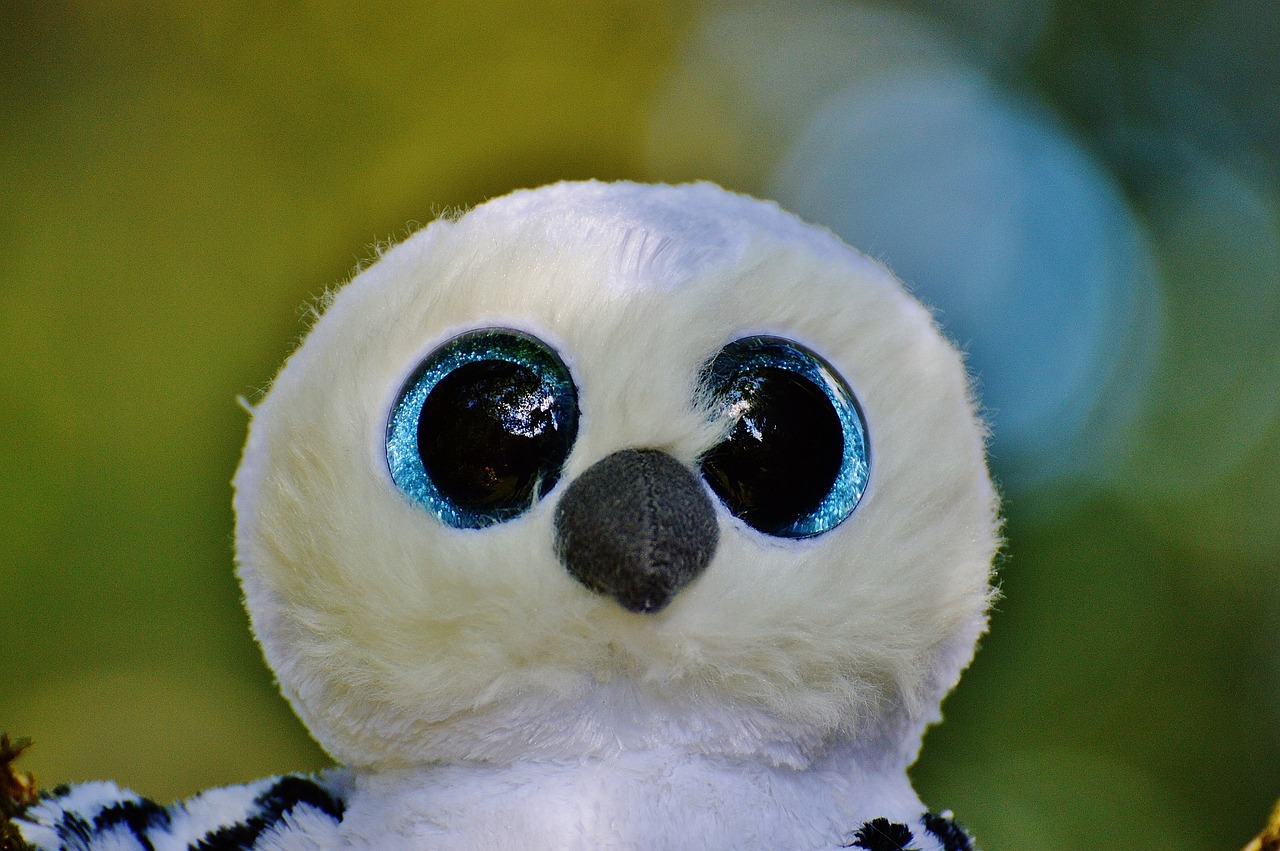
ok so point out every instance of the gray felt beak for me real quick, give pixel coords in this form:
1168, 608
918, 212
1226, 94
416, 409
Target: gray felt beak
638, 526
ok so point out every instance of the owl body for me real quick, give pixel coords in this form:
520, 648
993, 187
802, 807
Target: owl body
611, 516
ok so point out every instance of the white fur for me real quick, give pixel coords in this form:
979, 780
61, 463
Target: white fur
658, 798
403, 643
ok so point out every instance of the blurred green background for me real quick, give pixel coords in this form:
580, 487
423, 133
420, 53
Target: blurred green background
179, 181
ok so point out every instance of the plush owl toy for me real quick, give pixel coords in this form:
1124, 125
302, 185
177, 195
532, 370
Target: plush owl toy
602, 516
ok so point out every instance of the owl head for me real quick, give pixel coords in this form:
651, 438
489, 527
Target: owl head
603, 466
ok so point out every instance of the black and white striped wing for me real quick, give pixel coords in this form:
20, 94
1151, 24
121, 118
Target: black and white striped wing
279, 813
932, 831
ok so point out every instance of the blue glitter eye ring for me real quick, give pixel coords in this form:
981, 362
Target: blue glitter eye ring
796, 458
482, 428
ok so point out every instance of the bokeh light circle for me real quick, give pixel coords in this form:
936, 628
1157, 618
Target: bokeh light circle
1005, 225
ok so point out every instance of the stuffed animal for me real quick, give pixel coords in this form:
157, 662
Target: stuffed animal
602, 516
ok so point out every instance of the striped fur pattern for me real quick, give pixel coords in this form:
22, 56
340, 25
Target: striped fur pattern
278, 813
298, 813
935, 830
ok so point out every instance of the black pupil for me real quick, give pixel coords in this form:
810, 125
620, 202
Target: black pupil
489, 436
784, 452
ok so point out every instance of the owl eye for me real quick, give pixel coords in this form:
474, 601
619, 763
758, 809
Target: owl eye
795, 461
482, 428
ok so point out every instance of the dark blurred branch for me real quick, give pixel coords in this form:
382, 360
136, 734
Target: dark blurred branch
1269, 839
17, 792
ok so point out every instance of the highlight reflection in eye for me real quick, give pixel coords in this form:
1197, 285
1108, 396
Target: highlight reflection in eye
795, 461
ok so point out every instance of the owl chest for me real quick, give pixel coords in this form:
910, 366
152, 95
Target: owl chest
625, 803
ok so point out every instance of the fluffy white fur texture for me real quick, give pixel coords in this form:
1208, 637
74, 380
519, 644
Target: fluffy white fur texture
403, 643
